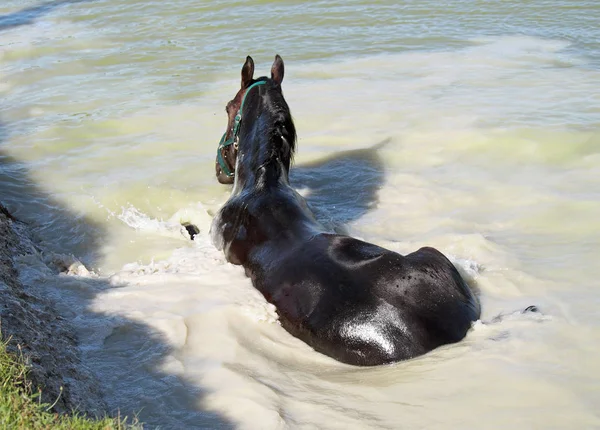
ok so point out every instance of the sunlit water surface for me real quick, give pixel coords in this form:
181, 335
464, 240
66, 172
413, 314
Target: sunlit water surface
469, 126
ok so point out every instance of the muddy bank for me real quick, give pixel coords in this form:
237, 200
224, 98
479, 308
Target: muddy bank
36, 330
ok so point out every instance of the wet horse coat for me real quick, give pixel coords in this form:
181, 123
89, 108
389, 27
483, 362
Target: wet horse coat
351, 300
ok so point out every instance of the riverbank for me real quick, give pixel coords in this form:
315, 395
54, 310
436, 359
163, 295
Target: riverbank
20, 407
39, 351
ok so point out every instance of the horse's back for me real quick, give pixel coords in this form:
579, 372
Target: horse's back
437, 296
363, 304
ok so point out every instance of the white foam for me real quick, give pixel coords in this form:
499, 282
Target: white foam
172, 227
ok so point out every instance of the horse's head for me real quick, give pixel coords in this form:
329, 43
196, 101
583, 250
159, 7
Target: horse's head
228, 146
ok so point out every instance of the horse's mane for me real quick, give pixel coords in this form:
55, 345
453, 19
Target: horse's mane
279, 127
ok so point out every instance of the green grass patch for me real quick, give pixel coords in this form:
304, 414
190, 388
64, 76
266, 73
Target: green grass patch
20, 407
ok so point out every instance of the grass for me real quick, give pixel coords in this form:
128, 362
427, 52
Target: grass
20, 407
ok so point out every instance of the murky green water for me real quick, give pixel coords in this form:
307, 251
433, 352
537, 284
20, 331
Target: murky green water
110, 114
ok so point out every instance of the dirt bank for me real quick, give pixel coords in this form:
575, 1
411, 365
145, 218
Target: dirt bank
35, 329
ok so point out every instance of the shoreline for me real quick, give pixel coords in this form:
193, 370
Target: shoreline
36, 331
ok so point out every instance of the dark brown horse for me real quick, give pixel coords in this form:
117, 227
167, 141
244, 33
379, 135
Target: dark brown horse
356, 302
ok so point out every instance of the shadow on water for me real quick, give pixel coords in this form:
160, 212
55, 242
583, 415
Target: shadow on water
29, 15
127, 355
343, 187
50, 224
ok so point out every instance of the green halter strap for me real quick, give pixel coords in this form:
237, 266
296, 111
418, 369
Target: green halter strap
236, 129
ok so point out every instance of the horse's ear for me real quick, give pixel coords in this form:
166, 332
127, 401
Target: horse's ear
277, 70
247, 71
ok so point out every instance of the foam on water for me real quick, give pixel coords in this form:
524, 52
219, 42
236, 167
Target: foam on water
226, 339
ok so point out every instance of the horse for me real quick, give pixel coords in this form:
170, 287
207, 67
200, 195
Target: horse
356, 302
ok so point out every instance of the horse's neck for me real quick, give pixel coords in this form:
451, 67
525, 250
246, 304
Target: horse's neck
266, 197
267, 177
261, 165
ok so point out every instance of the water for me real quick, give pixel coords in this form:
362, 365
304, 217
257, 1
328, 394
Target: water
469, 126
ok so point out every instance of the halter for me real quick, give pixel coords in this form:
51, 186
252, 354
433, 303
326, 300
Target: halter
236, 129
